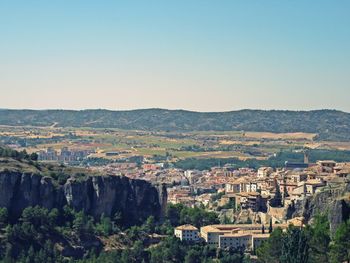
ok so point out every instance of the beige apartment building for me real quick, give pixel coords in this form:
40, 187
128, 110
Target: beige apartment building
247, 236
187, 233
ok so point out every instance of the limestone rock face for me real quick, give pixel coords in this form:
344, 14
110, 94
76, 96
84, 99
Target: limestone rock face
333, 202
134, 200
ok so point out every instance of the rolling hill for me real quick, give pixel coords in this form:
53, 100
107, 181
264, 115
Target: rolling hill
328, 124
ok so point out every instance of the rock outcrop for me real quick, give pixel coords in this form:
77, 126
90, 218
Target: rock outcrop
135, 200
333, 202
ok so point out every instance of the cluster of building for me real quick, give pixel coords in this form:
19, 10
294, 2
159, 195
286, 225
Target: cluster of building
246, 236
65, 155
244, 188
257, 197
254, 192
265, 193
196, 187
230, 191
152, 172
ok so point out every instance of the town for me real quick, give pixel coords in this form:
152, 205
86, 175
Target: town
251, 195
250, 203
175, 131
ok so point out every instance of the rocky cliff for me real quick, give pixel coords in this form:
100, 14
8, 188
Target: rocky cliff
334, 202
135, 200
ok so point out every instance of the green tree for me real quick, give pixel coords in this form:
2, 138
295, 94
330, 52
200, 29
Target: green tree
193, 256
295, 248
170, 250
270, 226
105, 226
138, 253
79, 223
3, 216
319, 239
271, 250
173, 213
33, 157
150, 224
340, 247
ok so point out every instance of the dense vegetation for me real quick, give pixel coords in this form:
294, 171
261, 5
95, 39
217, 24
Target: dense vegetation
23, 155
328, 124
312, 244
37, 235
40, 235
173, 250
276, 161
179, 215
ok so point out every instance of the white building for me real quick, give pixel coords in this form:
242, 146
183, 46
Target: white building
251, 187
187, 233
235, 240
248, 236
233, 187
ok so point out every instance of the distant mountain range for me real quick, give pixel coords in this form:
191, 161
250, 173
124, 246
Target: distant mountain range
328, 124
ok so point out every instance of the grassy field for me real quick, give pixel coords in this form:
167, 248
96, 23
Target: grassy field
226, 144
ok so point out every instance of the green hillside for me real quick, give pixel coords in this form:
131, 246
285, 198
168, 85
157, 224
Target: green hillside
328, 124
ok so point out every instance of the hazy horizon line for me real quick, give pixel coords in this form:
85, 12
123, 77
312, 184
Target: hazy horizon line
170, 109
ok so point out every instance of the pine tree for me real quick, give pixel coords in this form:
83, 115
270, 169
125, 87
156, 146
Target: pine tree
295, 248
340, 249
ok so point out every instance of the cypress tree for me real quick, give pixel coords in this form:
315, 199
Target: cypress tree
270, 226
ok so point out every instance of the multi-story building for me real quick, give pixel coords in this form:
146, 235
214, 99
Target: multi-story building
251, 200
298, 177
326, 166
187, 233
232, 187
264, 172
248, 236
235, 240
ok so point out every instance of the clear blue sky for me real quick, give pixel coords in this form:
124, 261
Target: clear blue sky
201, 55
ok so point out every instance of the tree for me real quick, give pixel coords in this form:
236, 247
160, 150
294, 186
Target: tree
105, 226
170, 250
319, 239
37, 218
173, 213
295, 248
150, 224
270, 251
193, 256
3, 216
138, 253
34, 157
8, 253
285, 190
53, 217
79, 223
340, 247
180, 214
270, 226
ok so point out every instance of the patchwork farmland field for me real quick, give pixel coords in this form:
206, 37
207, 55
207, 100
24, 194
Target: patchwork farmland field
173, 145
